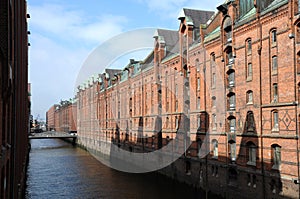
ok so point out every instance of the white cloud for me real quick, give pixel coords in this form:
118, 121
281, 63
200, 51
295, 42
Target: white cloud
171, 8
65, 23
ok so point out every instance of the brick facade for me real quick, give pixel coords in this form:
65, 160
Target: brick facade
14, 98
227, 82
62, 117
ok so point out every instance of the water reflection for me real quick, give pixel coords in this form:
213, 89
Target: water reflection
58, 170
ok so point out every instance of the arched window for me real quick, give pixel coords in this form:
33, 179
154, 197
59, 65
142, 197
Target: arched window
298, 60
275, 120
250, 125
231, 101
249, 97
249, 46
274, 64
214, 145
213, 101
232, 124
276, 156
227, 27
231, 78
275, 93
273, 37
232, 173
212, 60
251, 153
214, 121
199, 144
249, 71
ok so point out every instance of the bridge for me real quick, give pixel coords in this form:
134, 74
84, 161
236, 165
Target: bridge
53, 135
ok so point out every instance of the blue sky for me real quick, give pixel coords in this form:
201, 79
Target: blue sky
65, 32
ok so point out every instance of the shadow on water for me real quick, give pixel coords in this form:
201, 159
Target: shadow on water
59, 170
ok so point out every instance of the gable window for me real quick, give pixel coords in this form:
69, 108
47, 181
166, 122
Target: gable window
276, 156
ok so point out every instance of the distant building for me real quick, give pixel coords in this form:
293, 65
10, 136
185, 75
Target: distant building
62, 117
50, 117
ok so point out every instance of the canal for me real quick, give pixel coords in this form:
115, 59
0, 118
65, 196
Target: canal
56, 169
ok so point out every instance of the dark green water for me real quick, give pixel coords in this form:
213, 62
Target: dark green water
58, 170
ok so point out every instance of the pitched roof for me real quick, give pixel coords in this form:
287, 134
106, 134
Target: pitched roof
171, 39
197, 17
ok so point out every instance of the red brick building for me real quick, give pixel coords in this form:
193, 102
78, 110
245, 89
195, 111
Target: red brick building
228, 82
50, 117
14, 99
62, 117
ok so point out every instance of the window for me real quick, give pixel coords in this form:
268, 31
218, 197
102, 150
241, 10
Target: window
232, 150
229, 56
213, 81
176, 106
276, 156
298, 60
227, 30
214, 119
198, 121
198, 84
176, 122
212, 60
249, 46
199, 144
232, 124
251, 149
197, 63
213, 101
275, 93
231, 100
275, 121
249, 71
215, 148
198, 102
274, 64
231, 78
250, 126
273, 37
249, 97
188, 168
